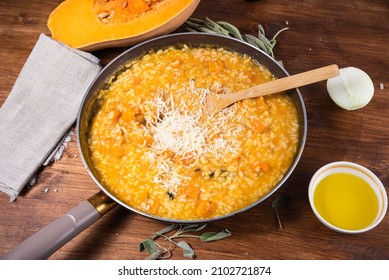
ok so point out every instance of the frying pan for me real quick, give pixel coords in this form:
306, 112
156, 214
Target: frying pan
49, 239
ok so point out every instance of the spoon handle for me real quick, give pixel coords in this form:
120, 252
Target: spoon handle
290, 82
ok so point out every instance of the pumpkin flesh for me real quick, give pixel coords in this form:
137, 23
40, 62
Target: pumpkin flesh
93, 24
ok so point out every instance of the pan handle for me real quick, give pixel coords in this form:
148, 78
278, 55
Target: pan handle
45, 242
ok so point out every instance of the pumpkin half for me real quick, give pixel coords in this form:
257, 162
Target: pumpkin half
96, 24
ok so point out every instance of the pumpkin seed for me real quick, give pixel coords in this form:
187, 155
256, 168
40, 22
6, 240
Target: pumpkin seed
103, 15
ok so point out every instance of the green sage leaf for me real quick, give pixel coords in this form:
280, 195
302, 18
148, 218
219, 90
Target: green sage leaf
229, 30
191, 29
214, 236
213, 26
188, 252
196, 21
150, 246
255, 42
206, 30
262, 34
232, 29
163, 231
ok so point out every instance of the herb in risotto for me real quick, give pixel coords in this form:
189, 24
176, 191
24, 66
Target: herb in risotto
156, 151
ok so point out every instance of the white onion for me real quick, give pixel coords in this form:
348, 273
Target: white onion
352, 89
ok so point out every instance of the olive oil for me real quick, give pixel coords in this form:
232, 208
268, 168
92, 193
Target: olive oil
346, 201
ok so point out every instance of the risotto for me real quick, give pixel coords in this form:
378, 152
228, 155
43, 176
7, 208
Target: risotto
155, 150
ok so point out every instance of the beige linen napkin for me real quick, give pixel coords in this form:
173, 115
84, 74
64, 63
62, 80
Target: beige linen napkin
40, 109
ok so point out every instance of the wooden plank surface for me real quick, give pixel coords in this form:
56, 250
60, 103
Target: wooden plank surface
349, 33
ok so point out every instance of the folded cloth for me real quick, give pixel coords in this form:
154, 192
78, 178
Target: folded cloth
40, 109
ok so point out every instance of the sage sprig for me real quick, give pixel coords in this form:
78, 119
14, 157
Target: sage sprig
157, 251
280, 200
229, 30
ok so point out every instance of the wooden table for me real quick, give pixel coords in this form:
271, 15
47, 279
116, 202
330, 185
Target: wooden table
321, 32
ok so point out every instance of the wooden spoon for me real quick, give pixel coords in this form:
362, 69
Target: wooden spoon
215, 102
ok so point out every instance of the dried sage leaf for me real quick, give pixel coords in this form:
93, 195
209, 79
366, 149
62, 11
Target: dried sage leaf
150, 246
214, 236
155, 256
193, 228
156, 251
188, 252
163, 231
280, 200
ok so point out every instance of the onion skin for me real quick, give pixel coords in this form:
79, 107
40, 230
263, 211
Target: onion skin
352, 89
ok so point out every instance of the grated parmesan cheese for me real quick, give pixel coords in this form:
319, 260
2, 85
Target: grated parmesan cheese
180, 133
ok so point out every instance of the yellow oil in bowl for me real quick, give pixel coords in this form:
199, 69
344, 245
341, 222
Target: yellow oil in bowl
346, 201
